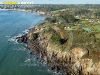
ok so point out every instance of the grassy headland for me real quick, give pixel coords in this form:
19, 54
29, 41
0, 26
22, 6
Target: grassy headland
70, 35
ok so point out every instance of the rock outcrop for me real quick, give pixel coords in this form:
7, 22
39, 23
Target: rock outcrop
75, 61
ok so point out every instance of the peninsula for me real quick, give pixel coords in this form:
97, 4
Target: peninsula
68, 40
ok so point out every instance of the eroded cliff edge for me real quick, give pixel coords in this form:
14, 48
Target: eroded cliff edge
73, 52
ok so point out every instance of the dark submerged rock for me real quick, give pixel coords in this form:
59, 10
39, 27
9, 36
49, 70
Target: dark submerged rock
22, 39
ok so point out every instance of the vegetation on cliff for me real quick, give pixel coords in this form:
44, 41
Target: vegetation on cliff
69, 40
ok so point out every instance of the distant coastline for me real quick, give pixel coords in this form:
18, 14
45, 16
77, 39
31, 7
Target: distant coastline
23, 10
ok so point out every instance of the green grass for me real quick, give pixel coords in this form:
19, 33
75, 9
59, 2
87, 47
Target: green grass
97, 28
55, 38
84, 22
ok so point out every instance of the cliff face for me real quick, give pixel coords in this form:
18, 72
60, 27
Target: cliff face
75, 61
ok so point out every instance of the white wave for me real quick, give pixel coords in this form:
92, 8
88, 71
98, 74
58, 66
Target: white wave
20, 49
54, 72
8, 36
19, 35
13, 39
57, 73
28, 60
26, 31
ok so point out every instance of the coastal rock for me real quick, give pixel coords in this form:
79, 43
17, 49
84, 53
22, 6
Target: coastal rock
72, 62
22, 39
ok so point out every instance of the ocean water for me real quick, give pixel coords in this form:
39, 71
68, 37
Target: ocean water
14, 58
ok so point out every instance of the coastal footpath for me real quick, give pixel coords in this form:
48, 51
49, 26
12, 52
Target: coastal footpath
69, 56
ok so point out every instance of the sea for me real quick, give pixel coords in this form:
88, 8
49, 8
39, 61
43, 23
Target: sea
14, 58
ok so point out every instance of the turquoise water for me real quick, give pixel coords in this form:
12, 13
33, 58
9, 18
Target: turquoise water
14, 58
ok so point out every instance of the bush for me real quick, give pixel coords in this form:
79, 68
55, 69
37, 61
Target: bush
55, 38
52, 20
68, 18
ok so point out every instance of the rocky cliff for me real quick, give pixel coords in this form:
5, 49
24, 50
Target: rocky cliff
62, 52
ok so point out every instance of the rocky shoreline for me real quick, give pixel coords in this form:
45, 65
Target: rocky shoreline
72, 62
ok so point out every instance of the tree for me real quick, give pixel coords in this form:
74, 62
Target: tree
68, 18
52, 20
